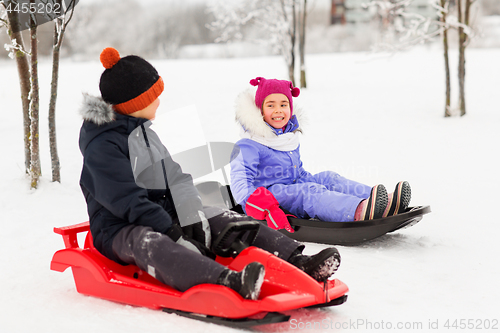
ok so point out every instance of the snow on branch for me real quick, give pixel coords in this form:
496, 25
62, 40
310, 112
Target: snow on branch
63, 20
230, 17
270, 16
13, 48
3, 16
411, 28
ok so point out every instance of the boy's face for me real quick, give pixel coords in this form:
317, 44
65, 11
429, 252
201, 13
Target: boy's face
276, 110
150, 111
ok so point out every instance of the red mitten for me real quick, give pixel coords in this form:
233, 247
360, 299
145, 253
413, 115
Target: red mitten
262, 205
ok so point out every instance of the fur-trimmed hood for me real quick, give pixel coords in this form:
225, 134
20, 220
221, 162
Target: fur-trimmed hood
249, 116
96, 110
100, 118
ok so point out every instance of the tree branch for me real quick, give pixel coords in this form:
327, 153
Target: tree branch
72, 5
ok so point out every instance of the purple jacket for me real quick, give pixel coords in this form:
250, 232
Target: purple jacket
270, 158
254, 161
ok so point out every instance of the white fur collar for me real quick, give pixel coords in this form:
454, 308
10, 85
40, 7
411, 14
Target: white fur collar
284, 142
249, 115
96, 110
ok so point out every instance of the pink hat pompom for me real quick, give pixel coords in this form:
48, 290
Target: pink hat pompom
256, 81
295, 92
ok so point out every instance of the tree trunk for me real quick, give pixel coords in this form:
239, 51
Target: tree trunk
59, 29
23, 71
302, 45
461, 59
447, 111
291, 68
289, 54
465, 39
293, 34
35, 170
58, 35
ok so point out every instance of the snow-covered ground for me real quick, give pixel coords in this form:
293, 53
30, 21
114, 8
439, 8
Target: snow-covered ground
372, 119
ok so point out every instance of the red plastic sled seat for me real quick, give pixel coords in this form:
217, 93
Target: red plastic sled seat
285, 287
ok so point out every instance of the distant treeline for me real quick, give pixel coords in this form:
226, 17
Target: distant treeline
160, 30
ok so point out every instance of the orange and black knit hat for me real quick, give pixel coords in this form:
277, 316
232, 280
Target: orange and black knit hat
130, 83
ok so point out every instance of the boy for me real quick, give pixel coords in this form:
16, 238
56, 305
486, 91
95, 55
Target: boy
143, 209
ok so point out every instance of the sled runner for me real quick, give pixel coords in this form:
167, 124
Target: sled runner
285, 286
316, 231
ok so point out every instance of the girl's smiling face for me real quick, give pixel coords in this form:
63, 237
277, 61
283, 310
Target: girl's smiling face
276, 110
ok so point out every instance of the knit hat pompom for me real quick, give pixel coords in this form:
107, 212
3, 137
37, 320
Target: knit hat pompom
273, 86
109, 57
256, 81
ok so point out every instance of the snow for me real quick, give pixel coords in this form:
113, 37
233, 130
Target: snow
374, 119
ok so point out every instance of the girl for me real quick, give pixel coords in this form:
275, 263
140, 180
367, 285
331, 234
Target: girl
267, 172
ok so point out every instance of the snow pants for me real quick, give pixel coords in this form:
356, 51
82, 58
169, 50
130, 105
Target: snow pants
326, 196
181, 268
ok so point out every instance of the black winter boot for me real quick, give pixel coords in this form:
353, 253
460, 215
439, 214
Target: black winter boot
399, 199
320, 266
247, 283
374, 206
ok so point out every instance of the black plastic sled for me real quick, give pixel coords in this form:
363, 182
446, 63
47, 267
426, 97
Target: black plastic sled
311, 230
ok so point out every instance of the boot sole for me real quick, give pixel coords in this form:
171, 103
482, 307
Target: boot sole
377, 203
324, 264
400, 199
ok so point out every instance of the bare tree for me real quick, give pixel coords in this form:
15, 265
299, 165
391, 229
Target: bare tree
464, 12
302, 43
288, 9
28, 77
417, 29
443, 11
278, 21
60, 24
35, 168
18, 52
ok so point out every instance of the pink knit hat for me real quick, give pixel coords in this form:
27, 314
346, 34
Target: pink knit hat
273, 86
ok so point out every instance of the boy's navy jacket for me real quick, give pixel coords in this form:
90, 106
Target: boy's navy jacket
114, 198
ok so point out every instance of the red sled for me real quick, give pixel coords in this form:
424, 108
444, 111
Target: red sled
285, 286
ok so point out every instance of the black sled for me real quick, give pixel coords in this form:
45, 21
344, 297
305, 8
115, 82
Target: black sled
310, 230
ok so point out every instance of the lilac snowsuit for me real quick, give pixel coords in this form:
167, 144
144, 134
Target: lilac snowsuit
326, 196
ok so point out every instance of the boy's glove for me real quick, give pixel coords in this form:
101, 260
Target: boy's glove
199, 231
176, 234
263, 205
